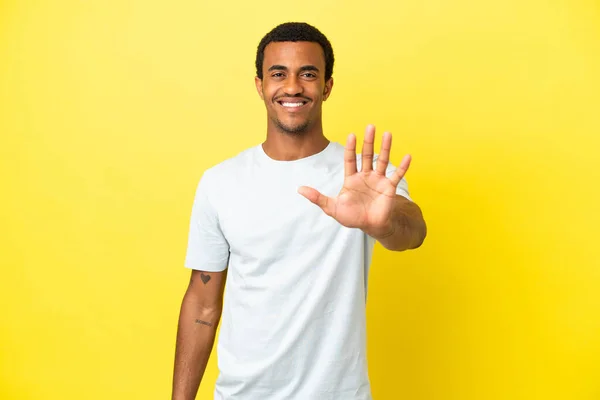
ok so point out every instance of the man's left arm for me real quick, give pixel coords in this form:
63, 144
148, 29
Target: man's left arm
407, 228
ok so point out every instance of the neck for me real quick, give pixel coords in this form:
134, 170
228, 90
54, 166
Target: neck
284, 146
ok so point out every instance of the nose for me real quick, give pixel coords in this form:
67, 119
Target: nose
293, 86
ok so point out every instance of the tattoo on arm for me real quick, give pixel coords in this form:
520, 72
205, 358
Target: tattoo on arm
198, 321
205, 278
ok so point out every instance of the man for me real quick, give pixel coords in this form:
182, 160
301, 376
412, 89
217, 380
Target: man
292, 223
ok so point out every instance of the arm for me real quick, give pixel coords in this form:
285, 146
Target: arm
198, 319
369, 199
407, 227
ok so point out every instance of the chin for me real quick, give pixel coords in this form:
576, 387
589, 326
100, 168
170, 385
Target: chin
293, 128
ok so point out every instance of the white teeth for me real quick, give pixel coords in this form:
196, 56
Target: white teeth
292, 104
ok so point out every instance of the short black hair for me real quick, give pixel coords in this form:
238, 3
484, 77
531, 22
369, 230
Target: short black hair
295, 32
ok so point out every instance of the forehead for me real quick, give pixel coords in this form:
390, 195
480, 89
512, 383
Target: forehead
291, 54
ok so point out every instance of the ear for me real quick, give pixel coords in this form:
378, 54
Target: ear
258, 83
328, 87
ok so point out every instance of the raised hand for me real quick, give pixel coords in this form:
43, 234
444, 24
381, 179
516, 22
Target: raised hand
366, 200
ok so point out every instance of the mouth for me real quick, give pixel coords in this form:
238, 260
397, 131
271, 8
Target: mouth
292, 105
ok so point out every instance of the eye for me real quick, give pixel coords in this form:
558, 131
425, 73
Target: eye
309, 75
277, 75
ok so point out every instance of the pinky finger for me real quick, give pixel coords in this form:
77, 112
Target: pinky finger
401, 170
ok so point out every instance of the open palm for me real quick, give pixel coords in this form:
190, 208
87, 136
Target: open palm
366, 200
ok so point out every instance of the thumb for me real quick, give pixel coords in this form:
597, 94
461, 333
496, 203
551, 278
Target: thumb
325, 203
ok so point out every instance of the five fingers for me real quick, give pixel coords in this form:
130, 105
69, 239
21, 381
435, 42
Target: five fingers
383, 159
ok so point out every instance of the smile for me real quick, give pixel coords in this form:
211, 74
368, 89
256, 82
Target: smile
292, 104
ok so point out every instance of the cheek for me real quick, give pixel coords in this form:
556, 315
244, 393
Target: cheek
269, 94
320, 92
269, 88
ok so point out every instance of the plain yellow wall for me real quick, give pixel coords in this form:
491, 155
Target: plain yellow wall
111, 110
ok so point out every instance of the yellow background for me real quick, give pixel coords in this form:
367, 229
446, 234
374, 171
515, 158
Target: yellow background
111, 110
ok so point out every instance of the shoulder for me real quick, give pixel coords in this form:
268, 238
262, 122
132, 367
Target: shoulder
215, 179
335, 152
230, 167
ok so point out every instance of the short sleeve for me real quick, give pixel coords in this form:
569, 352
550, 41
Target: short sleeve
207, 248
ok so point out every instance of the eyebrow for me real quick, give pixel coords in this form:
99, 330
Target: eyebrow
302, 68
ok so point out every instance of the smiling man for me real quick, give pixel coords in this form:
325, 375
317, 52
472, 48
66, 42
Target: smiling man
294, 104
287, 229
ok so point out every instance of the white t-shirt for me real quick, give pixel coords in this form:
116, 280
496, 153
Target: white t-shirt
293, 322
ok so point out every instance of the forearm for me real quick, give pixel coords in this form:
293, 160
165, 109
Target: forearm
196, 333
407, 228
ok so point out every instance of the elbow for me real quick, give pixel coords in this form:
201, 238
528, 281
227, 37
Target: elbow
202, 306
418, 227
410, 237
417, 235
422, 233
